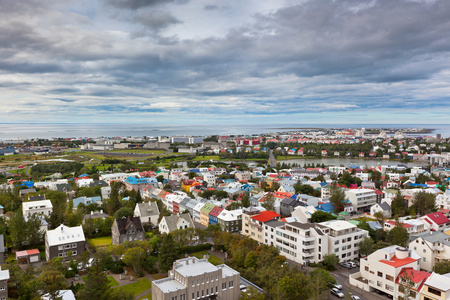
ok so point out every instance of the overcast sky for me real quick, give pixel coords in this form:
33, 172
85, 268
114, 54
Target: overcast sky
236, 61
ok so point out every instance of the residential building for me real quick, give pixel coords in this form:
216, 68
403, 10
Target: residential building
210, 179
197, 211
246, 175
362, 199
127, 229
171, 223
302, 243
389, 225
230, 220
253, 221
344, 238
43, 207
2, 249
193, 278
62, 240
382, 268
287, 206
432, 247
214, 214
436, 287
86, 201
133, 183
148, 212
303, 213
436, 221
204, 213
4, 278
382, 207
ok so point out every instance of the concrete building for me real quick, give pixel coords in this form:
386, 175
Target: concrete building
253, 221
432, 247
148, 212
230, 220
344, 239
436, 287
171, 223
362, 199
43, 207
193, 278
127, 229
62, 240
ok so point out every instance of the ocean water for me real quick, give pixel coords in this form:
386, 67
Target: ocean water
26, 131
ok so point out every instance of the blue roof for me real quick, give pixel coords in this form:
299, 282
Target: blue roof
84, 175
86, 200
29, 183
417, 184
126, 198
195, 170
326, 207
322, 184
134, 180
152, 179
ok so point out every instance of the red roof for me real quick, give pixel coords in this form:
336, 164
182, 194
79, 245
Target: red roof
416, 276
216, 211
265, 216
404, 225
398, 262
444, 211
438, 218
33, 251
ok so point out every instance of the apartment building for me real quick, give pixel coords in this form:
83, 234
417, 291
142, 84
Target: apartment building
382, 268
436, 221
253, 221
230, 220
436, 287
302, 243
43, 207
62, 240
193, 278
362, 199
344, 239
432, 247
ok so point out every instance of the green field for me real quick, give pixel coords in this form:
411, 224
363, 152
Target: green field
100, 242
212, 258
138, 287
148, 296
111, 281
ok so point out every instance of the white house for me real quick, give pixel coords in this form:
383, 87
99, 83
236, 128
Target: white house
43, 207
169, 224
148, 212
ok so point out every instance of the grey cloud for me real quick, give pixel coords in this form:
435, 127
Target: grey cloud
156, 20
211, 7
137, 4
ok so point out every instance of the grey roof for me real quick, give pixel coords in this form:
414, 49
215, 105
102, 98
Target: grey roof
172, 221
148, 209
2, 244
384, 206
375, 225
274, 223
435, 236
288, 201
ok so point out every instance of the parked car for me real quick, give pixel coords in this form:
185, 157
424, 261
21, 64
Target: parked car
335, 286
346, 265
352, 264
354, 297
337, 293
90, 262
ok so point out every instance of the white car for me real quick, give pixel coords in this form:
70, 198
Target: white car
338, 286
354, 297
337, 293
90, 262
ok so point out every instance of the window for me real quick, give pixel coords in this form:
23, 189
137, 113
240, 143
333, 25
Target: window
380, 274
74, 245
390, 287
379, 284
424, 251
366, 268
434, 291
424, 259
2, 288
207, 292
389, 277
217, 288
60, 247
230, 284
60, 255
198, 294
193, 296
74, 253
203, 293
224, 285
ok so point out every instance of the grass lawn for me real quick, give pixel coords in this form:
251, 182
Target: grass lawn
207, 157
148, 296
212, 258
139, 151
101, 241
138, 287
111, 281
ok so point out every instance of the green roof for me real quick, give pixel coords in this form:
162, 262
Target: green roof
354, 222
344, 213
207, 208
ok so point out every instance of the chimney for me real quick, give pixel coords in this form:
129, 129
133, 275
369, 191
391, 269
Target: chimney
187, 261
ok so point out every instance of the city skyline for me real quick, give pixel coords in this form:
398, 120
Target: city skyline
183, 62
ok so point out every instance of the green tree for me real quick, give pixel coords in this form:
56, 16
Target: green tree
442, 267
398, 235
424, 203
320, 280
406, 285
51, 281
251, 293
134, 257
123, 212
167, 253
321, 216
365, 246
398, 205
269, 202
295, 286
113, 203
245, 200
329, 261
96, 285
17, 224
337, 199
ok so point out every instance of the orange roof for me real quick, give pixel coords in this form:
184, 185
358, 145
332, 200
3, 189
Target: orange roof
398, 262
265, 216
32, 251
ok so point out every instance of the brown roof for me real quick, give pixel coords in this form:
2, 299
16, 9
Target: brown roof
124, 223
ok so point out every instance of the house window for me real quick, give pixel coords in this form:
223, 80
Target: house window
434, 291
2, 288
60, 248
224, 286
389, 277
366, 268
74, 253
380, 274
74, 245
60, 255
230, 284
